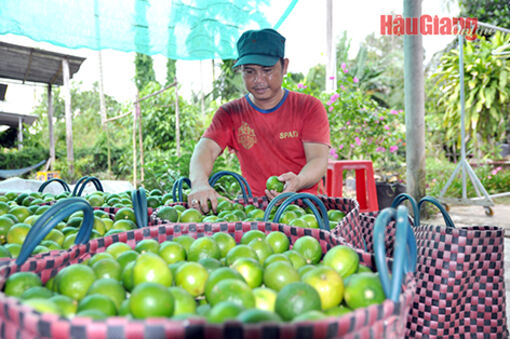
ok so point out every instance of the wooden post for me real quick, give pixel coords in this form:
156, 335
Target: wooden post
20, 133
330, 49
50, 128
140, 139
102, 105
134, 147
177, 127
68, 115
414, 106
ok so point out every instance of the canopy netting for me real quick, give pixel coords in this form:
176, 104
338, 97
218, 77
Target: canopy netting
178, 29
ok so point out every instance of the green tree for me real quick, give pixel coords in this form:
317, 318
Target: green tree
144, 71
494, 12
171, 70
88, 137
229, 84
487, 93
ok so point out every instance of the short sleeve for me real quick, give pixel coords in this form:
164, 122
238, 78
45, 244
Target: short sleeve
316, 123
220, 130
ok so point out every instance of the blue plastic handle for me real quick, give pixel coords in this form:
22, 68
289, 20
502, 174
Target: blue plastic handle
51, 218
245, 188
403, 197
447, 219
96, 183
78, 185
322, 218
177, 188
404, 256
47, 182
214, 178
139, 198
273, 202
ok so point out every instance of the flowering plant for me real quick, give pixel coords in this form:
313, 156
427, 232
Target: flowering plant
359, 127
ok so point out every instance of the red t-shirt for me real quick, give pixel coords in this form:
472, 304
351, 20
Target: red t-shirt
270, 142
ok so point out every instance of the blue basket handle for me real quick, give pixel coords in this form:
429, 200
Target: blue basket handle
403, 197
47, 182
322, 218
404, 256
273, 202
139, 198
51, 218
447, 219
80, 185
245, 188
177, 188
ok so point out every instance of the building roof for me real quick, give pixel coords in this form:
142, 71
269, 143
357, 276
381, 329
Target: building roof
11, 119
35, 65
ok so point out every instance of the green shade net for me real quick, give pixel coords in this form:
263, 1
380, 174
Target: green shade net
178, 29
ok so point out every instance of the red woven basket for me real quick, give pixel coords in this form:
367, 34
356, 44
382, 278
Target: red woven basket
459, 276
18, 321
349, 207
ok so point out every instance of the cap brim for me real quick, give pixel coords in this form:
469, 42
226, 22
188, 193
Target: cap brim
257, 59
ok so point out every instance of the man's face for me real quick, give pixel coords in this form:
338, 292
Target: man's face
264, 83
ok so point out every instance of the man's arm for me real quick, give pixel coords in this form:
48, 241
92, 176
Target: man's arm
315, 168
201, 164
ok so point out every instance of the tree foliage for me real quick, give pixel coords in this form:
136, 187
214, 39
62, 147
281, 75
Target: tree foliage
144, 71
494, 12
229, 84
487, 92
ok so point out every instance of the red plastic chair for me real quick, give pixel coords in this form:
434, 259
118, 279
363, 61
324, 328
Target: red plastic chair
366, 194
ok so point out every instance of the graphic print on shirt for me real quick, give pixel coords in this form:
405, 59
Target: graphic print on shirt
246, 136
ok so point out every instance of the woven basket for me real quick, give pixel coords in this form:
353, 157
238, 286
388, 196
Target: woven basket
349, 207
459, 276
18, 321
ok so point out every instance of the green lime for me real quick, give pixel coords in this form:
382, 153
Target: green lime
278, 241
97, 302
296, 298
273, 184
184, 303
19, 282
309, 248
151, 299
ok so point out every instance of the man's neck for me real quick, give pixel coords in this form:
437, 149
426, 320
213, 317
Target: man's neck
268, 103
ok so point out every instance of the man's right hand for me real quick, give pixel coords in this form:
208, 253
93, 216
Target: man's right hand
200, 196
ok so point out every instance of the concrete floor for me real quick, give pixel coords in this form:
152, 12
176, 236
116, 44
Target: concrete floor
475, 215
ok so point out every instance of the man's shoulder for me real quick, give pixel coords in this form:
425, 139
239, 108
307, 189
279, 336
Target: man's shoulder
302, 98
236, 105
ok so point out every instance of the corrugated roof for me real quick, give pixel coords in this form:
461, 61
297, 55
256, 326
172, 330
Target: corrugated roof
35, 65
11, 119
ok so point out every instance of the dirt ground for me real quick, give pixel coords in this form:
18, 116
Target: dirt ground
474, 215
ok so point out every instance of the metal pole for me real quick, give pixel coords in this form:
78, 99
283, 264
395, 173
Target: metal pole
414, 105
462, 113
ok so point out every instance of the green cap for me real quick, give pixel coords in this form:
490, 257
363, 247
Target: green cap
264, 47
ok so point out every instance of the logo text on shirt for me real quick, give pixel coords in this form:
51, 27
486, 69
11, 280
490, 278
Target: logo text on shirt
246, 136
290, 134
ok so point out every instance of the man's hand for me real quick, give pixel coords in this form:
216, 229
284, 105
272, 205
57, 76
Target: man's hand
201, 195
292, 183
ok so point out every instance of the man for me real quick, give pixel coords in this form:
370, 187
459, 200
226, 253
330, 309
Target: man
273, 131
